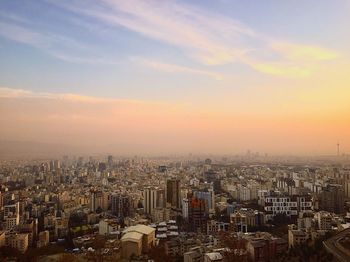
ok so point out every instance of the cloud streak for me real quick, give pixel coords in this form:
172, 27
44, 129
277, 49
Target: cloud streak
57, 46
6, 92
177, 69
204, 36
304, 52
207, 37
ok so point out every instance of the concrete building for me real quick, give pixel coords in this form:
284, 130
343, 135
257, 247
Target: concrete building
17, 241
324, 220
296, 237
120, 205
246, 218
44, 239
173, 194
131, 244
213, 256
185, 208
11, 221
108, 226
160, 214
149, 199
137, 240
96, 200
287, 205
209, 196
214, 226
193, 256
263, 247
198, 215
332, 199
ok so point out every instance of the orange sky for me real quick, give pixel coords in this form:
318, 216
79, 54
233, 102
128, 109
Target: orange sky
163, 77
150, 127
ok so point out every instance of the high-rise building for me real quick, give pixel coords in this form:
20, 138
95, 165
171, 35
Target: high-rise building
120, 205
149, 199
208, 195
55, 165
332, 198
198, 214
185, 208
342, 177
110, 160
173, 194
160, 198
96, 200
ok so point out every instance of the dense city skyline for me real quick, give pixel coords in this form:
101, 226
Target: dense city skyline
174, 77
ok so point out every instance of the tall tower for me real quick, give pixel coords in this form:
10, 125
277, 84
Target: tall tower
149, 199
173, 196
338, 147
96, 200
120, 205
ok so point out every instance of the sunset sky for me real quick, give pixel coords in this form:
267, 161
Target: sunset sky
164, 77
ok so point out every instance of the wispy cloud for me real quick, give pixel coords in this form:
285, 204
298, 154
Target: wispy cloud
17, 93
58, 46
282, 69
303, 52
83, 60
204, 36
22, 35
6, 92
207, 37
13, 17
173, 68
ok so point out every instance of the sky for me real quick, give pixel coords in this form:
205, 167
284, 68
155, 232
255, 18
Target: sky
167, 76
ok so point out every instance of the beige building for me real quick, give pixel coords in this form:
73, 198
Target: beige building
214, 256
131, 244
44, 239
324, 220
296, 237
108, 226
160, 214
137, 240
11, 221
245, 218
18, 241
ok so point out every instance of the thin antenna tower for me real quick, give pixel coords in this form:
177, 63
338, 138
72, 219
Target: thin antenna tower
338, 146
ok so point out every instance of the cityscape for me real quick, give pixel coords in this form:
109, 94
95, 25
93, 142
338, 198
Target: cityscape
177, 130
190, 208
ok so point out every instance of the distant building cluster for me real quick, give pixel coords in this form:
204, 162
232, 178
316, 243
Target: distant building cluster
187, 208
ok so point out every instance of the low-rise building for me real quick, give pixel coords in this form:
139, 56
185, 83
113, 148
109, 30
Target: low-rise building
44, 239
18, 241
108, 226
213, 256
296, 237
137, 240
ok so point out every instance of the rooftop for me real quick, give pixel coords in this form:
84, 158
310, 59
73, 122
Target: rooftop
140, 229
